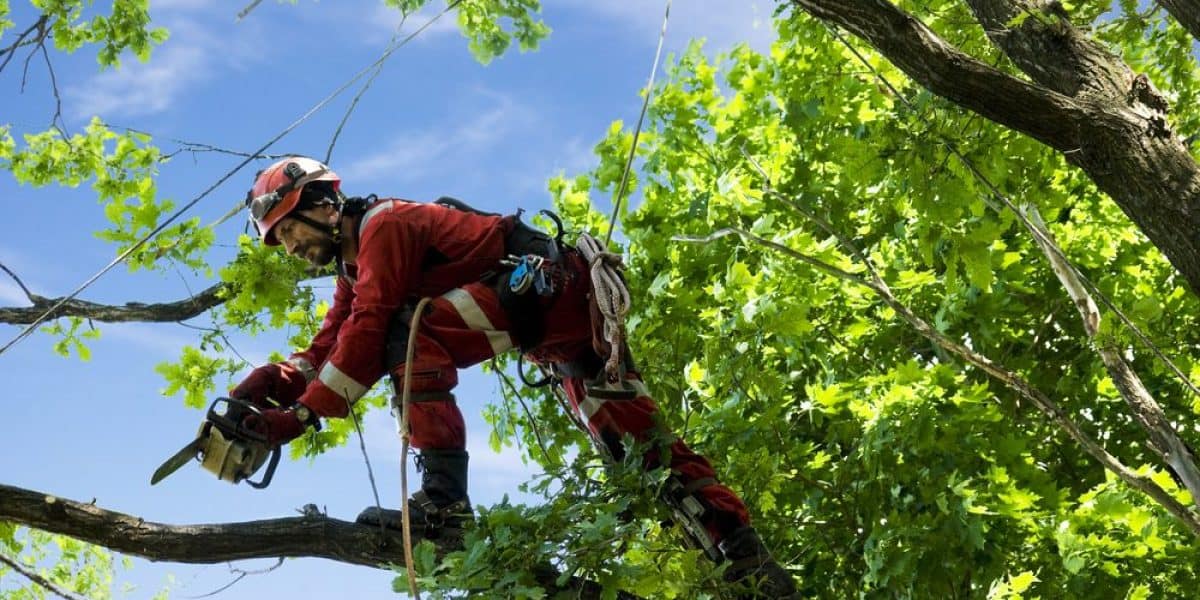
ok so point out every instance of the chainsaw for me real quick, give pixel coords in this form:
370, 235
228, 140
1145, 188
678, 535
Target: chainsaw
225, 447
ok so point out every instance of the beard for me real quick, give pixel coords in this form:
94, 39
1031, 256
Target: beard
318, 253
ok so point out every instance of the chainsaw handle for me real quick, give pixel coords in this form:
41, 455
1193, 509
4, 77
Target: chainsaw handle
269, 473
232, 418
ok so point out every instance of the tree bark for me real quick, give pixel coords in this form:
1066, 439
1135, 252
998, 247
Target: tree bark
311, 536
1084, 103
1187, 12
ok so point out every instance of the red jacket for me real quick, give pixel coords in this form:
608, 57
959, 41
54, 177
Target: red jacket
406, 251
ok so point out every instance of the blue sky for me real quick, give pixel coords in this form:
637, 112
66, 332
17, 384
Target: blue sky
435, 123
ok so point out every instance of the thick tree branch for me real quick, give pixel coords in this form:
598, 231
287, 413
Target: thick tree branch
307, 536
1113, 126
951, 73
1187, 12
1052, 52
164, 312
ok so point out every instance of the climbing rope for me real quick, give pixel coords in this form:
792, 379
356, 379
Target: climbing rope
612, 297
662, 34
405, 394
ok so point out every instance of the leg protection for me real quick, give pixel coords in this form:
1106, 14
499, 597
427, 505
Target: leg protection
705, 509
691, 512
751, 563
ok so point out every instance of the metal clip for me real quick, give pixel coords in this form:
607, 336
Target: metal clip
528, 271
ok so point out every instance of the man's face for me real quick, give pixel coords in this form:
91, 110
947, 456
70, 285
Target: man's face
304, 241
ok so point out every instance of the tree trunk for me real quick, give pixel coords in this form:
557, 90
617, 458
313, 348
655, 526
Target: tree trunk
1187, 12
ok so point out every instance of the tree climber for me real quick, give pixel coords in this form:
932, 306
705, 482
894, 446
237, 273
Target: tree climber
390, 253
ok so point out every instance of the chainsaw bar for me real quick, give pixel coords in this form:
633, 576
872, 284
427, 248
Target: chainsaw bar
183, 457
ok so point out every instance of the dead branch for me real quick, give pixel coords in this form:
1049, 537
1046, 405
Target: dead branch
1011, 380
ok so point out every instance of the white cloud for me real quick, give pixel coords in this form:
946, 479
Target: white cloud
160, 338
419, 153
192, 55
12, 295
141, 89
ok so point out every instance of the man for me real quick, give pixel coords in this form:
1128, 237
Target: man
389, 254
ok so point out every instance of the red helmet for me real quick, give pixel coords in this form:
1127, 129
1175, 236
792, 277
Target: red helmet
276, 191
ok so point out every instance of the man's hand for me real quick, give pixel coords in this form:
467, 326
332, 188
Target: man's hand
281, 381
278, 426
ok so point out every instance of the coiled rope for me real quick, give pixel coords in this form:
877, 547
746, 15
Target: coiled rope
612, 297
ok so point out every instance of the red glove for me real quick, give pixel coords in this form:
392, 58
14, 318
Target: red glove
278, 426
283, 382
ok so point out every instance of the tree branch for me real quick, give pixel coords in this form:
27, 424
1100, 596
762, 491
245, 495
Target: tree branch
1050, 50
164, 312
1187, 12
307, 536
948, 72
1164, 441
32, 575
1116, 132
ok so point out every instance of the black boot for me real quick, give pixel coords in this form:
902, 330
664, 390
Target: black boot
441, 505
751, 564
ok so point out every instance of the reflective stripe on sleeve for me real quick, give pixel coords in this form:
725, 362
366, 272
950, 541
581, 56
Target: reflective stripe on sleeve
476, 320
341, 383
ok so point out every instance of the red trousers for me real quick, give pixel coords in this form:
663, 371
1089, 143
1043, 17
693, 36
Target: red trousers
467, 326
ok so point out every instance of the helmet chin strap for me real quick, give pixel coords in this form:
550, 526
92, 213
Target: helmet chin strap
345, 207
334, 232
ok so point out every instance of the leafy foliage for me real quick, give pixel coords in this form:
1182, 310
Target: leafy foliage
876, 464
491, 25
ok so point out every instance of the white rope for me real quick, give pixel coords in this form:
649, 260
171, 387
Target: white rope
612, 297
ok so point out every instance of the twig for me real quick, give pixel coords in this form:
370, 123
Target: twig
38, 579
241, 574
1163, 438
38, 26
506, 381
28, 294
245, 11
55, 121
362, 446
363, 90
